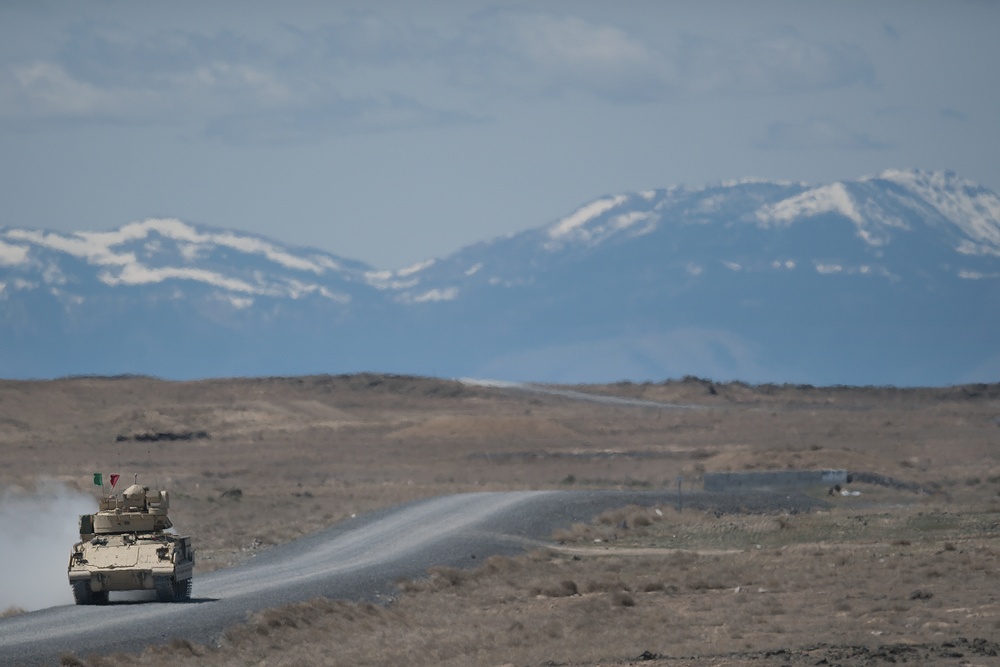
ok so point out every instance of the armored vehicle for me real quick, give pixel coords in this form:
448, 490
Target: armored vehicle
124, 547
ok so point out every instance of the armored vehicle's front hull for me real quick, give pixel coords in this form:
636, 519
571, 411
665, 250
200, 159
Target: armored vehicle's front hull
131, 562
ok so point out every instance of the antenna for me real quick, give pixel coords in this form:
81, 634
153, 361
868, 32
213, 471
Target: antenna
156, 477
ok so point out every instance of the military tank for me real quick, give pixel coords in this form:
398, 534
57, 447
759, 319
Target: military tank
125, 547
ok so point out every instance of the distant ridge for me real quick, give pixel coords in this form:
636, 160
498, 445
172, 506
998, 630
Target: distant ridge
887, 279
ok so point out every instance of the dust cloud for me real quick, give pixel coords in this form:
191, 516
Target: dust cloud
37, 531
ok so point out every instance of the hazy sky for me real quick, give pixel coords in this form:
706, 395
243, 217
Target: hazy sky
393, 132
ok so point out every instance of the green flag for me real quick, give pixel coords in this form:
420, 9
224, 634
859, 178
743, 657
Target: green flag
98, 479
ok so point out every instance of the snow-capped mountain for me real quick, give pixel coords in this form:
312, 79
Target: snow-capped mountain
892, 279
169, 254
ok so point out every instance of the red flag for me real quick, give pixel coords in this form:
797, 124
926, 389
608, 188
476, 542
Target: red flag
114, 479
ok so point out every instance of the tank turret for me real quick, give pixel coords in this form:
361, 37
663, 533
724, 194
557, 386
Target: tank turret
124, 546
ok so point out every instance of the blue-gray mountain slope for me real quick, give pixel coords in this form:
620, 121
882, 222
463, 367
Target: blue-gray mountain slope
893, 279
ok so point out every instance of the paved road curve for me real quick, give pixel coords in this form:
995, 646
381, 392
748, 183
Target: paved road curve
359, 559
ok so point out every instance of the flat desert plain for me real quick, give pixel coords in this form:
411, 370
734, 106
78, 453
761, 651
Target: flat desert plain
905, 573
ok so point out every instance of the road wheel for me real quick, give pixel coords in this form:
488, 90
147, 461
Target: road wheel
83, 594
183, 590
166, 589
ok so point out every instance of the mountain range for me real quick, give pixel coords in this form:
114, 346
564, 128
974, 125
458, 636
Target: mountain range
889, 279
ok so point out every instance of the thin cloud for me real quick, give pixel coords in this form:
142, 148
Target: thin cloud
367, 72
817, 135
545, 54
234, 88
782, 62
565, 53
40, 90
369, 38
111, 55
953, 114
511, 53
366, 115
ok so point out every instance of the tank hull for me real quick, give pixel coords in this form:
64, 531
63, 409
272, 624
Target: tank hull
131, 562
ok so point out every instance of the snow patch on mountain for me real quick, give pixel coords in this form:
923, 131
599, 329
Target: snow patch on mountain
976, 275
970, 207
297, 290
416, 268
22, 284
137, 274
81, 244
827, 269
117, 255
973, 210
12, 255
571, 225
239, 303
593, 224
833, 198
402, 279
633, 218
103, 248
195, 241
386, 280
436, 294
191, 252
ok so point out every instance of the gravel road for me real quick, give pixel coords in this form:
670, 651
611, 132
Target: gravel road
360, 559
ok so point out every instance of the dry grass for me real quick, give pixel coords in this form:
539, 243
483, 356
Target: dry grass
606, 605
882, 570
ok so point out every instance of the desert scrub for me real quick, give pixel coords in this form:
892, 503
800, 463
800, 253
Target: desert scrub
627, 522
